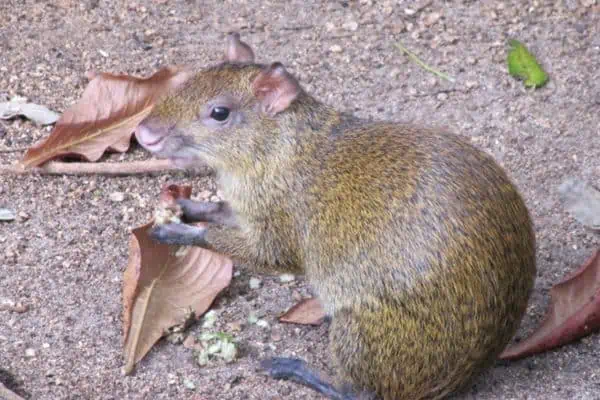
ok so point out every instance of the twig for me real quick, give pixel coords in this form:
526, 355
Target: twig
85, 168
426, 67
13, 149
297, 28
439, 92
339, 36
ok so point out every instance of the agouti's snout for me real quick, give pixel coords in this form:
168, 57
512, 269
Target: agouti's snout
150, 133
163, 140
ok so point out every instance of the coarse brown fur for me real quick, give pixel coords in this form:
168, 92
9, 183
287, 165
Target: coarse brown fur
416, 243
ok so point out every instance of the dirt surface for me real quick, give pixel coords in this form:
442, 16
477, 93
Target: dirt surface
64, 256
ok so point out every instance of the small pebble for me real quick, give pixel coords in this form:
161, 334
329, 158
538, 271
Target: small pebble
580, 28
350, 26
228, 351
117, 196
204, 195
336, 48
188, 384
398, 27
190, 342
23, 216
394, 73
263, 324
254, 283
276, 336
287, 278
235, 326
7, 215
252, 319
30, 352
209, 319
442, 96
432, 19
296, 295
6, 304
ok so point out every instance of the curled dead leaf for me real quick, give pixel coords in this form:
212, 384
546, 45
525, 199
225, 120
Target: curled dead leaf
36, 113
574, 312
305, 312
162, 284
106, 115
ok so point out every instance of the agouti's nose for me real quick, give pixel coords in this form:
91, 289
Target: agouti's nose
150, 133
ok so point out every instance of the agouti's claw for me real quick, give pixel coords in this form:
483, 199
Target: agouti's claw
178, 234
197, 211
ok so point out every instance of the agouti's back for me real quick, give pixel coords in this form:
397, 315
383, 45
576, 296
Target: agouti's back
416, 232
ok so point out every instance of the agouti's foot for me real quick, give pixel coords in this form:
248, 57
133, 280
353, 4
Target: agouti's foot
179, 234
298, 371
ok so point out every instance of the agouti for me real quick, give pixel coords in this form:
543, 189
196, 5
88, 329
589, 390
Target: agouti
417, 244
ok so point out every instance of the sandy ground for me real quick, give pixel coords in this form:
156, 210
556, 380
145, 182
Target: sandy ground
64, 257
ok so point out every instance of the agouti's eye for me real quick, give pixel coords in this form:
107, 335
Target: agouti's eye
219, 113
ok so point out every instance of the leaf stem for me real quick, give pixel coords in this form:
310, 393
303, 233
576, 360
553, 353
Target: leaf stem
426, 67
13, 149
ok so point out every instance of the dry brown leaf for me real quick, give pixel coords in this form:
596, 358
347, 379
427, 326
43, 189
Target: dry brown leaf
7, 394
305, 312
574, 312
105, 117
162, 284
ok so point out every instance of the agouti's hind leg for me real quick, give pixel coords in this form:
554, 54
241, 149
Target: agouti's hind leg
296, 370
351, 353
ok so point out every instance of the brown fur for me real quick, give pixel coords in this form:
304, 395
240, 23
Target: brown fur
417, 243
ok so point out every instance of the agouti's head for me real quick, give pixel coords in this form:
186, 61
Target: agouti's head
223, 113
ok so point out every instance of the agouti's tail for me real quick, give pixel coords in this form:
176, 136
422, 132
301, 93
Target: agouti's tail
298, 371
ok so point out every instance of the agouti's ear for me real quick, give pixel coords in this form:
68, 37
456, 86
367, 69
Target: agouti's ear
275, 88
238, 51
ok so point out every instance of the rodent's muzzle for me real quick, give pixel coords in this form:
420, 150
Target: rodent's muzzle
151, 132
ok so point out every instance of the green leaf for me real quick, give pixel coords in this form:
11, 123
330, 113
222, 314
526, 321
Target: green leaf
522, 64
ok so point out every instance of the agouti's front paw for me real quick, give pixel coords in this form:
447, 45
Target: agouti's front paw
206, 211
179, 234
